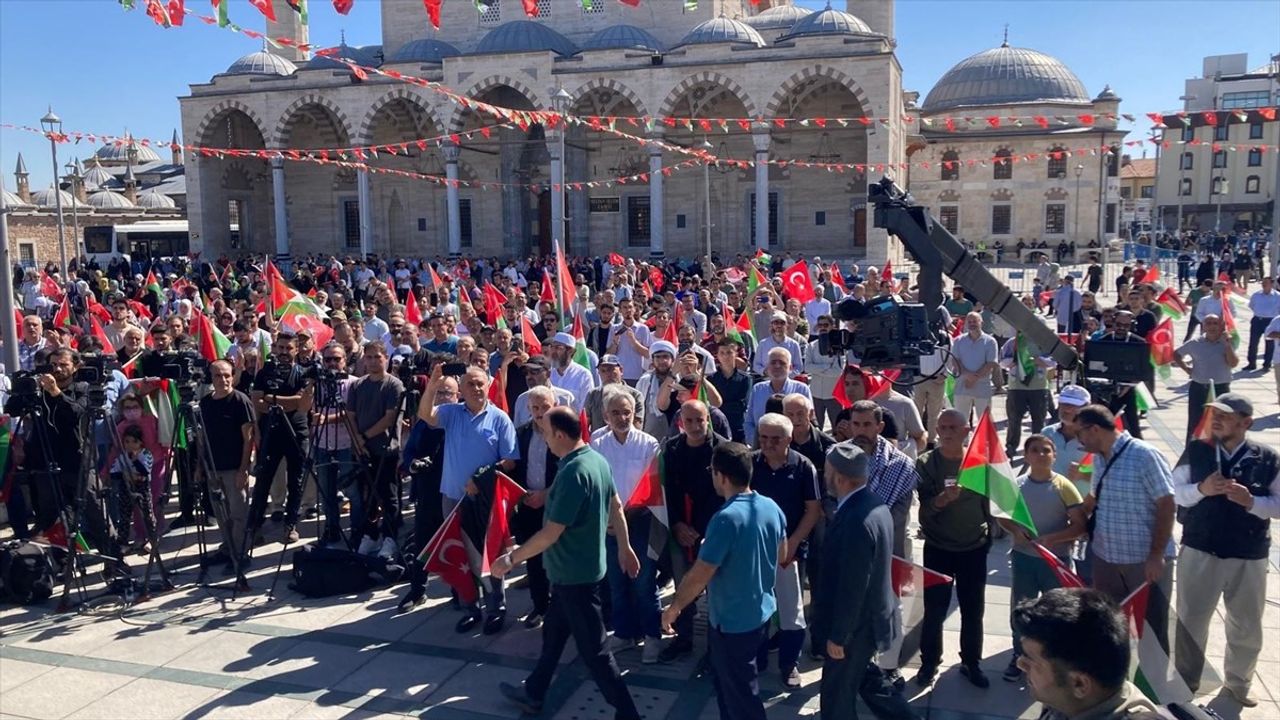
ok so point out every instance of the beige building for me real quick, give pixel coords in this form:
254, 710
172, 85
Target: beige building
1213, 176
1137, 195
1015, 179
609, 60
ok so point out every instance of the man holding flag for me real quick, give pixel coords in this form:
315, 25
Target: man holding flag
1212, 359
580, 504
1228, 489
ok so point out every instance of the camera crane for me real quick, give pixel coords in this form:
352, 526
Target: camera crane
938, 252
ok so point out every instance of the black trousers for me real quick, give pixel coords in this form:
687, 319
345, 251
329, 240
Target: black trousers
1257, 326
575, 612
1192, 324
278, 446
384, 499
842, 680
969, 568
525, 523
1197, 396
1018, 403
734, 673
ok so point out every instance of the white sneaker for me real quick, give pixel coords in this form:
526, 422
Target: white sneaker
652, 650
617, 644
389, 549
368, 546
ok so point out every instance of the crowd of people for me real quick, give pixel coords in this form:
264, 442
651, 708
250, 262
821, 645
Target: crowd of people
351, 390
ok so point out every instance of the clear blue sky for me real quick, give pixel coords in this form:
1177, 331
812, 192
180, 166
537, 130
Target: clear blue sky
104, 69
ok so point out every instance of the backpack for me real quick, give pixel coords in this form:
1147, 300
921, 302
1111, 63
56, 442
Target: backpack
26, 573
324, 572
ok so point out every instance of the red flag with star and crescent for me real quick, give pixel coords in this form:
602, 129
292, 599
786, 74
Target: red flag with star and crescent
797, 284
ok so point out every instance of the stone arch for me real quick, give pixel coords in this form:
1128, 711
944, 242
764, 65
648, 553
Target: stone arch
365, 133
458, 117
713, 78
282, 124
616, 87
221, 110
809, 74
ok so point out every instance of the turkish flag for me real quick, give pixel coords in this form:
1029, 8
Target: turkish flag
616, 259
837, 278
656, 278
264, 7
797, 284
412, 312
446, 556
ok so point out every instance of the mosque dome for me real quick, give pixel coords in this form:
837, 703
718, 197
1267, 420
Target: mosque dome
111, 153
425, 50
623, 37
13, 202
778, 18
109, 200
152, 200
45, 198
1005, 76
96, 176
369, 56
723, 30
261, 63
828, 22
522, 36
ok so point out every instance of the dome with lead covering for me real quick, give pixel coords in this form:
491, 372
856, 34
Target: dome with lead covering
623, 37
45, 198
723, 30
261, 63
119, 154
1006, 76
109, 200
12, 201
828, 22
364, 56
425, 50
96, 176
778, 18
152, 200
522, 36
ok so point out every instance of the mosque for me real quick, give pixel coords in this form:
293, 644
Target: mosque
512, 188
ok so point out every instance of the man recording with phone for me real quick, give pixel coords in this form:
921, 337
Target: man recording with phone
283, 399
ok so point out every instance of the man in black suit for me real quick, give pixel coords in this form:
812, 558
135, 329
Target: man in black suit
535, 471
855, 612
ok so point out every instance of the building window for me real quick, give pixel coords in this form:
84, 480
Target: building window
1252, 185
1055, 218
638, 221
422, 224
1113, 162
1001, 219
1220, 133
1188, 133
593, 7
1003, 169
351, 223
820, 218
1111, 218
1255, 131
1255, 157
682, 221
1057, 163
1249, 99
1187, 162
27, 254
949, 216
1220, 159
1126, 192
1146, 192
950, 165
464, 221
237, 223
1219, 186
773, 218
1185, 190
490, 11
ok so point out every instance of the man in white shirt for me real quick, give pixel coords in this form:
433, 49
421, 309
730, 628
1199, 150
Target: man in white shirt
692, 315
815, 309
567, 374
630, 341
778, 338
1067, 302
1272, 334
1265, 305
537, 373
1212, 304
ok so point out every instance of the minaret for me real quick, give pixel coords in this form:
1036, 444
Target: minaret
175, 145
130, 184
77, 182
22, 181
877, 14
288, 24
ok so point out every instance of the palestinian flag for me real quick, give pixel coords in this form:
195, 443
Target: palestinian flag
986, 471
909, 584
949, 389
566, 290
532, 345
580, 353
480, 527
300, 7
1026, 360
279, 292
1171, 305
744, 327
56, 534
1143, 399
162, 404
62, 318
1204, 429
130, 368
1229, 324
755, 279
763, 258
731, 327
648, 493
213, 345
1150, 668
153, 286
1066, 578
1086, 464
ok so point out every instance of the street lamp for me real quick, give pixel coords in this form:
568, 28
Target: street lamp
74, 177
560, 101
1222, 190
1079, 172
706, 191
52, 126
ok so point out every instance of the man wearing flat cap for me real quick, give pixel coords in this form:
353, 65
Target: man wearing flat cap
855, 612
1228, 492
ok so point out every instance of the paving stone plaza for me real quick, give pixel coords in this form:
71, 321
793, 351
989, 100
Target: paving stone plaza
199, 653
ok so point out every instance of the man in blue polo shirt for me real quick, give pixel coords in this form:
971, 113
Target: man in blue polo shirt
477, 434
737, 564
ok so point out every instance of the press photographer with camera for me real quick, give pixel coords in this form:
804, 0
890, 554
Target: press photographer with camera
374, 406
282, 397
333, 461
230, 449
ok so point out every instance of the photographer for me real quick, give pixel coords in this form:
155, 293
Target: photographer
282, 398
375, 403
333, 460
230, 412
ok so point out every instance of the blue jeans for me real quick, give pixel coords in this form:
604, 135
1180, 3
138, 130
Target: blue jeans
333, 470
635, 605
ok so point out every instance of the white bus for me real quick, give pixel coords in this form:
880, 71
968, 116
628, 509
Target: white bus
143, 239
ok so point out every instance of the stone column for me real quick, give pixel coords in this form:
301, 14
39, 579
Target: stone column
282, 217
657, 216
366, 213
454, 213
760, 136
554, 142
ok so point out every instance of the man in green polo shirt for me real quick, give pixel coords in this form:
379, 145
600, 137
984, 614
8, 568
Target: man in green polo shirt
580, 504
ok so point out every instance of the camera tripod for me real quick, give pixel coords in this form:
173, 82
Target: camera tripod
276, 424
331, 402
136, 493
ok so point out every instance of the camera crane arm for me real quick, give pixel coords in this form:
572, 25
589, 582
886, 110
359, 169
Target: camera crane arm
938, 252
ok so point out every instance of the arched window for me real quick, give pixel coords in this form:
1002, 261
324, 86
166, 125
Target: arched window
1057, 163
1188, 161
1220, 159
1219, 186
1255, 157
1113, 161
1003, 168
950, 165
